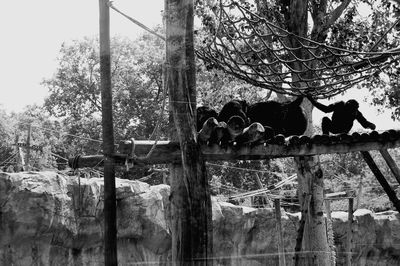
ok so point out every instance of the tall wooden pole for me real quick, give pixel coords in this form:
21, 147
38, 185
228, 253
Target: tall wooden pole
191, 223
349, 239
281, 246
329, 231
110, 214
28, 150
20, 158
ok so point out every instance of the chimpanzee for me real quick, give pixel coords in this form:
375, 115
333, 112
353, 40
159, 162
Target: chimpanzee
226, 133
205, 132
235, 126
233, 108
204, 113
344, 114
284, 118
252, 133
219, 135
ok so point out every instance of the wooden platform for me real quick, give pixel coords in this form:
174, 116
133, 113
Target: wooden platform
279, 146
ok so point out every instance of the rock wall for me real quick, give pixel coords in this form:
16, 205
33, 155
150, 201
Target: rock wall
48, 218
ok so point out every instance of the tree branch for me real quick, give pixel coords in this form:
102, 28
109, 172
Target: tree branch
318, 14
94, 101
335, 14
318, 11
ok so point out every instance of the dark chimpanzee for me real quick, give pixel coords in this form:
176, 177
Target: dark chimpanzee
344, 114
204, 113
252, 133
233, 108
235, 126
206, 131
284, 118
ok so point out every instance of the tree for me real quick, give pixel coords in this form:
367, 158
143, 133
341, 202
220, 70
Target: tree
137, 87
6, 135
46, 134
384, 85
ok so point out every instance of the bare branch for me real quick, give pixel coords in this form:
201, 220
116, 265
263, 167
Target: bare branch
335, 14
318, 11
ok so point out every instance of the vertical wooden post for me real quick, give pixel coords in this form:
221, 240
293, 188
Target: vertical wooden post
281, 246
110, 215
311, 197
349, 239
191, 216
260, 185
28, 149
20, 161
329, 231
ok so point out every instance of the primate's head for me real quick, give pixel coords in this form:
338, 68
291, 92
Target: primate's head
352, 105
236, 125
203, 113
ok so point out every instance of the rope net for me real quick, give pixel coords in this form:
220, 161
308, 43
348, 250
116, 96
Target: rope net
262, 54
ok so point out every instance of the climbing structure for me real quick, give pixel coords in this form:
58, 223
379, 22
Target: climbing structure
265, 55
129, 153
276, 147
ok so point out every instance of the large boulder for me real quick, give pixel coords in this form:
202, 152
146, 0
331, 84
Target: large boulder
48, 218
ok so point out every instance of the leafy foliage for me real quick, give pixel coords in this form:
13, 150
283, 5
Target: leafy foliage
45, 133
6, 133
136, 80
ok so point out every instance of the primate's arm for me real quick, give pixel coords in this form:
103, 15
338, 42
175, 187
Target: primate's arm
322, 107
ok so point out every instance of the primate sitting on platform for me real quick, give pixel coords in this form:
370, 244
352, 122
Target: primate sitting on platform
344, 114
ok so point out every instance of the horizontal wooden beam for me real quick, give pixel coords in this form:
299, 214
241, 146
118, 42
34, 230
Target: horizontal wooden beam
169, 152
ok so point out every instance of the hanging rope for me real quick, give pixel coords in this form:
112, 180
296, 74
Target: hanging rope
9, 159
262, 54
110, 4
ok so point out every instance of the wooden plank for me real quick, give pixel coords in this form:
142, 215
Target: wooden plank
281, 246
110, 213
169, 151
381, 178
391, 163
28, 150
349, 239
329, 232
261, 186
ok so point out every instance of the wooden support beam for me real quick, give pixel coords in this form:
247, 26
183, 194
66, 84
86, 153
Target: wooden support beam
110, 203
391, 163
329, 232
381, 178
281, 246
191, 214
28, 150
169, 151
349, 237
261, 186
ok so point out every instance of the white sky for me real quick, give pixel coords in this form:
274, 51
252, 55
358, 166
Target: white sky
33, 31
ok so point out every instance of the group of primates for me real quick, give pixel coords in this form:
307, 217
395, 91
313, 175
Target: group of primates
243, 123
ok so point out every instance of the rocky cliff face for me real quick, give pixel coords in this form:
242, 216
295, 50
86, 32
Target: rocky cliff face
52, 219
